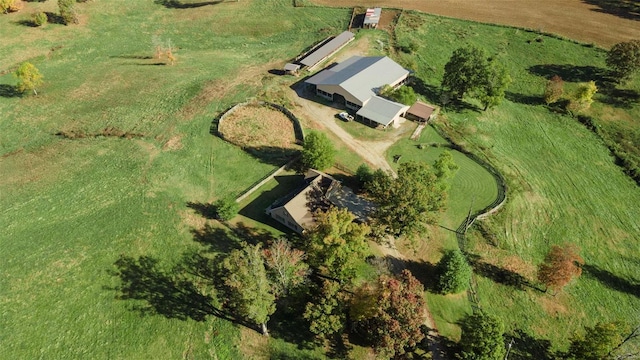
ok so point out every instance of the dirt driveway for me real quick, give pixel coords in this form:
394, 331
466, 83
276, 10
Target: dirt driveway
599, 21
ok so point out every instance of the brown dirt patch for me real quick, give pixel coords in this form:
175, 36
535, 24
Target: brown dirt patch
258, 126
554, 305
574, 19
175, 143
254, 346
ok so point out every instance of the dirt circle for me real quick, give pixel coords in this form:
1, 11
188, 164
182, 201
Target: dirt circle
260, 130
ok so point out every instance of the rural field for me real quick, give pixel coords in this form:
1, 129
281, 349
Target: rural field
107, 174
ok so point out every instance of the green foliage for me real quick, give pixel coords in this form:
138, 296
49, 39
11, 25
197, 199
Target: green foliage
454, 272
494, 83
624, 59
68, 11
584, 94
406, 204
364, 174
390, 313
553, 90
336, 243
318, 152
326, 312
226, 209
465, 71
286, 266
40, 18
7, 6
404, 95
246, 286
29, 78
482, 338
561, 264
597, 342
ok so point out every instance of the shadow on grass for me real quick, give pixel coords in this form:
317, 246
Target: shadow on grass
27, 23
206, 210
626, 9
255, 210
447, 347
216, 239
572, 73
9, 91
499, 275
524, 99
621, 98
176, 4
271, 155
612, 281
161, 292
430, 92
425, 272
527, 347
53, 18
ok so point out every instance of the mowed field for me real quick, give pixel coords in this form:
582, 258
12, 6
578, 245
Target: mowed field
603, 22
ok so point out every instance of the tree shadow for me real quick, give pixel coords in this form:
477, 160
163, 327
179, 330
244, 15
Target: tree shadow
9, 91
626, 9
425, 272
176, 4
447, 347
497, 274
430, 92
207, 210
272, 155
621, 98
253, 236
160, 291
572, 73
527, 347
27, 23
217, 239
612, 281
53, 18
524, 99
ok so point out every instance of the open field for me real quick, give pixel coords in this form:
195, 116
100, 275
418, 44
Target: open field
563, 183
603, 22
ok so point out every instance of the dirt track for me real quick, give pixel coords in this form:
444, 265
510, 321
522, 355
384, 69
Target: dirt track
575, 19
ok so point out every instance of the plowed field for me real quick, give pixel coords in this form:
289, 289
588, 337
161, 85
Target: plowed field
603, 22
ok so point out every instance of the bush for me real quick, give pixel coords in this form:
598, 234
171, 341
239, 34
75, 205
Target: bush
7, 6
68, 11
39, 18
318, 151
226, 209
454, 273
364, 174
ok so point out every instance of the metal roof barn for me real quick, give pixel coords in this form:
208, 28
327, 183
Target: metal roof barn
327, 49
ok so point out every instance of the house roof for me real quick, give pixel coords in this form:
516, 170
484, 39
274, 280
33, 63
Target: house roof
326, 49
372, 16
421, 110
381, 110
361, 76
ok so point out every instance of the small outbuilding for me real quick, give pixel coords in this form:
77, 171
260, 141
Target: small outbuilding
291, 69
372, 18
420, 112
327, 49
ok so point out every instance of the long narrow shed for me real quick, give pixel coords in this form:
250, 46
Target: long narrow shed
328, 49
372, 18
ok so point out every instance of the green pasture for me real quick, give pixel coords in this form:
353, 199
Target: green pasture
563, 183
71, 208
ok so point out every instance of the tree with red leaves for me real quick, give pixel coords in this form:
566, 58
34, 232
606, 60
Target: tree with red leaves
561, 264
389, 313
553, 90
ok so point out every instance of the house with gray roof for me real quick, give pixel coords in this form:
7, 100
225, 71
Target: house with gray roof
356, 82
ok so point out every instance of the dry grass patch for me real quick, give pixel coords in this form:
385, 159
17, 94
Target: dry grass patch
258, 126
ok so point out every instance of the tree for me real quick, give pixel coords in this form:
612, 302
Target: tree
553, 90
495, 81
584, 95
404, 94
624, 59
445, 168
246, 285
406, 204
454, 272
561, 264
7, 6
482, 338
318, 151
29, 77
336, 243
326, 312
226, 209
285, 266
39, 18
389, 313
364, 174
68, 11
598, 342
465, 71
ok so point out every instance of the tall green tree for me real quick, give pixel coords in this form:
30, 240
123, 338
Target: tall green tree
336, 244
624, 59
246, 286
465, 71
482, 338
318, 151
495, 81
409, 202
389, 313
29, 77
598, 342
326, 313
454, 272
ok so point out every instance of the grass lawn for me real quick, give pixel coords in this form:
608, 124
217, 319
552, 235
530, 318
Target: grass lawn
563, 183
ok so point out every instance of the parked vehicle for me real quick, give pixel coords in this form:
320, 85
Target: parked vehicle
345, 116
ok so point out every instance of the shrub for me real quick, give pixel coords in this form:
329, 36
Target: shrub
68, 11
226, 209
364, 174
39, 18
7, 6
454, 273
